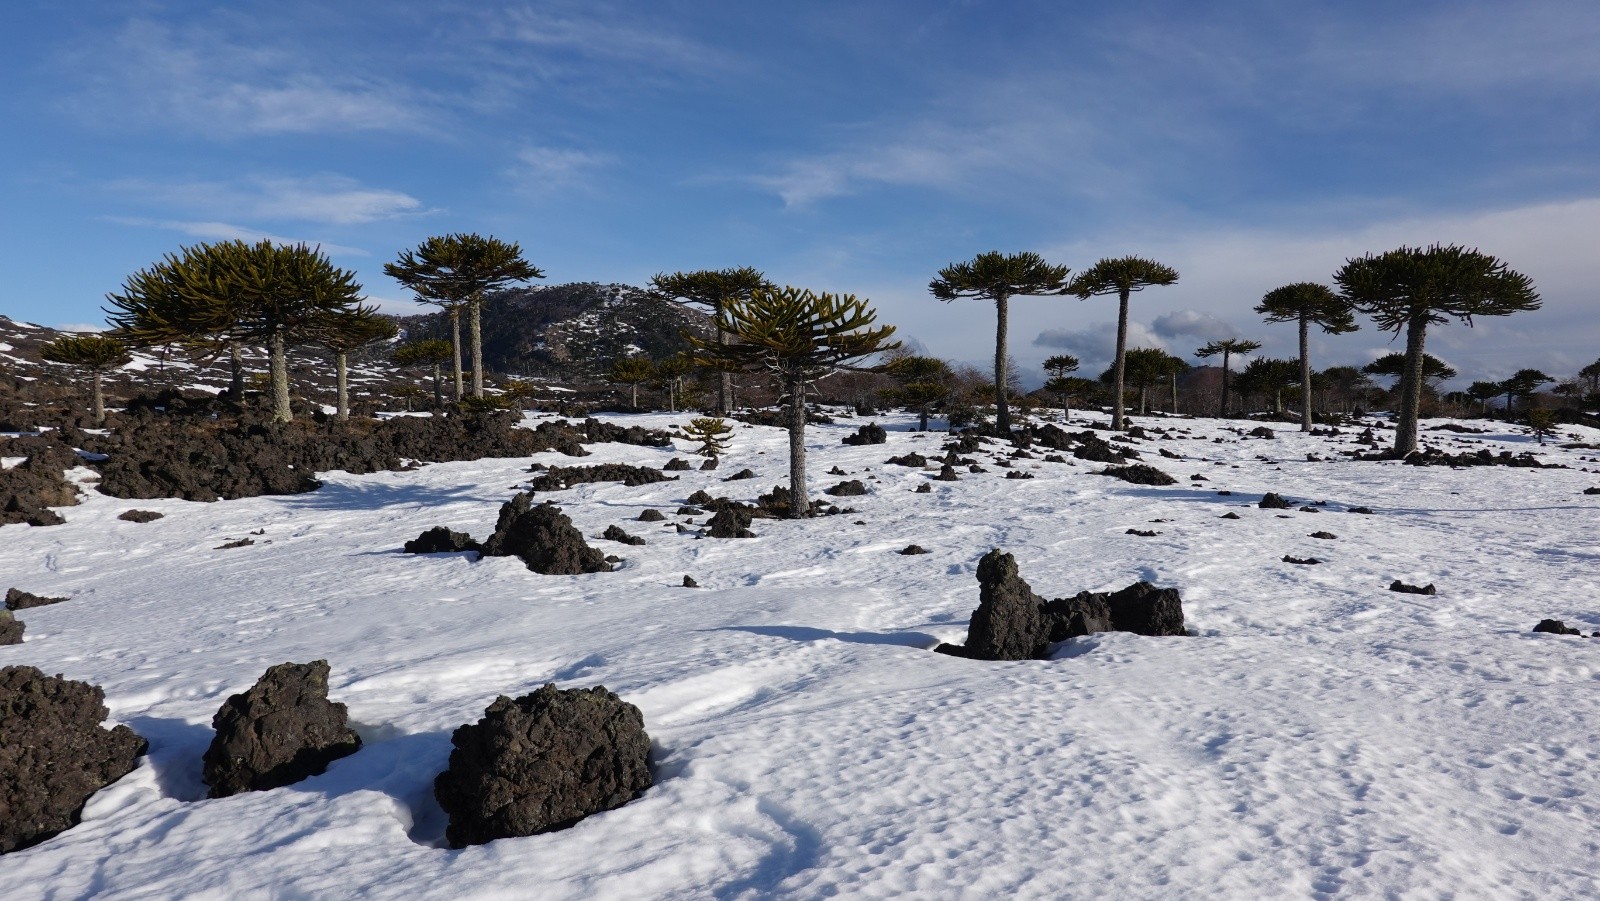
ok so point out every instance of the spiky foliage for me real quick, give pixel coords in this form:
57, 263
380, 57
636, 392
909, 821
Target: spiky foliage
1144, 368
633, 372
433, 353
1434, 370
669, 375
1523, 383
96, 353
1058, 368
999, 277
1591, 373
712, 434
348, 331
1543, 422
713, 289
1268, 377
1228, 347
454, 271
1307, 304
1120, 276
921, 382
1410, 288
798, 337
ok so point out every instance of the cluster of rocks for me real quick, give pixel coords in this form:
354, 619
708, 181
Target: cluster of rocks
1485, 457
540, 535
29, 489
1557, 627
1014, 623
556, 478
279, 732
871, 433
1138, 474
17, 599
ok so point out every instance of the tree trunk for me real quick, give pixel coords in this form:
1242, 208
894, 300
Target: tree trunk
236, 380
1223, 412
279, 365
438, 387
455, 346
1002, 411
725, 378
1117, 418
341, 362
1277, 401
1305, 375
1174, 394
633, 398
1144, 394
98, 399
799, 506
1405, 432
922, 419
475, 311
1066, 409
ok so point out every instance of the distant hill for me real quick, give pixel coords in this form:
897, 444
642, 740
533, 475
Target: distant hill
570, 332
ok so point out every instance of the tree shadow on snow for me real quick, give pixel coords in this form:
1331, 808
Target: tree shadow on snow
374, 496
807, 633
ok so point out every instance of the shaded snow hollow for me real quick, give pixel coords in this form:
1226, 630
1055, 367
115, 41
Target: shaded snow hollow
1321, 736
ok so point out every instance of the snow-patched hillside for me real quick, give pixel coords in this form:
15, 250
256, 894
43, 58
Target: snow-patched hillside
1320, 736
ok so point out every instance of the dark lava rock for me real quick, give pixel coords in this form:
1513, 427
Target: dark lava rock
1262, 431
542, 762
1556, 627
947, 474
30, 488
1095, 449
1198, 478
440, 540
1229, 515
836, 471
1309, 509
730, 522
975, 468
284, 729
652, 516
11, 628
1591, 491
912, 459
1325, 536
690, 511
54, 754
1009, 622
689, 582
1402, 587
139, 515
17, 599
1274, 501
615, 533
852, 488
924, 488
1144, 609
230, 545
1142, 533
912, 550
1169, 454
1138, 474
709, 464
1019, 475
741, 474
701, 499
871, 433
1302, 561
544, 538
1083, 614
555, 478
676, 464
1364, 510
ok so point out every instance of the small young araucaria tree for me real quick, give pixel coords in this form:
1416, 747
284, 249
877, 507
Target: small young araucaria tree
1120, 276
96, 353
798, 337
1307, 304
713, 289
346, 332
1227, 347
999, 277
1410, 288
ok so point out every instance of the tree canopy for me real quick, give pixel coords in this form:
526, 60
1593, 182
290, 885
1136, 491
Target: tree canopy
1120, 276
712, 289
1307, 304
96, 353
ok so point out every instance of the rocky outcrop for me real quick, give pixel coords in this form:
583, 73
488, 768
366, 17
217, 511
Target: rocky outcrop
139, 515
284, 729
1009, 623
1274, 501
1138, 474
872, 433
1403, 588
17, 599
556, 478
1556, 627
851, 488
544, 538
11, 628
29, 489
617, 534
730, 522
440, 540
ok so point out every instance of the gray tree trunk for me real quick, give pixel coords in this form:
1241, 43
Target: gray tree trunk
1174, 394
799, 505
724, 378
1305, 375
236, 380
98, 401
1117, 418
438, 387
633, 399
1223, 413
1144, 396
278, 361
455, 345
1002, 410
475, 309
341, 362
1405, 432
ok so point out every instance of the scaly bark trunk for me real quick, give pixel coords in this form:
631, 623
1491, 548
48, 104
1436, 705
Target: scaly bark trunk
1405, 432
341, 362
99, 399
1117, 419
799, 506
455, 346
475, 322
1223, 412
725, 378
278, 362
1002, 410
1144, 394
922, 419
633, 400
1174, 394
1305, 375
438, 387
236, 381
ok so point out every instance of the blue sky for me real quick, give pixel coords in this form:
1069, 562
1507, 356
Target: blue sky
848, 146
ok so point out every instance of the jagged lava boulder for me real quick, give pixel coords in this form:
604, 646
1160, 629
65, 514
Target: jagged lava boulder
541, 762
731, 522
1009, 623
54, 753
1138, 474
440, 540
11, 628
1556, 627
544, 538
281, 731
17, 599
872, 433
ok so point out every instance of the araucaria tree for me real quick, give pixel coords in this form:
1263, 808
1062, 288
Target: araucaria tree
345, 332
1227, 347
455, 271
999, 277
1410, 288
432, 353
1120, 276
1307, 304
1059, 368
1523, 383
920, 382
96, 353
713, 289
632, 371
798, 337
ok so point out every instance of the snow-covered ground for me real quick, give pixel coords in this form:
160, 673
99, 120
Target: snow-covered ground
1320, 737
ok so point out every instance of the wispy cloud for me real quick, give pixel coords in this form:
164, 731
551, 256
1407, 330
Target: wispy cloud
223, 231
602, 31
542, 170
327, 199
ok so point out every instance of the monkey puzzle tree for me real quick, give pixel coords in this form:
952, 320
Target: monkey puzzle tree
1409, 288
669, 375
633, 372
433, 353
1483, 392
1268, 377
96, 353
347, 331
1345, 381
153, 310
1058, 368
1592, 374
1523, 383
1120, 276
798, 337
454, 272
1143, 367
713, 289
1227, 347
920, 382
999, 277
1434, 370
1307, 304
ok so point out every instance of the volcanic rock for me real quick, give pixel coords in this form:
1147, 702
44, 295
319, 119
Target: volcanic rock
1138, 474
1008, 624
284, 729
676, 464
872, 433
17, 599
1556, 627
544, 538
1274, 501
139, 515
852, 488
730, 522
440, 540
11, 628
651, 515
615, 533
1403, 588
912, 459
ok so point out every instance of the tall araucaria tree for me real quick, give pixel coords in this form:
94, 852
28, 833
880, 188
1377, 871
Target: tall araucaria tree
346, 332
1307, 304
1409, 288
1120, 276
152, 311
713, 289
798, 337
999, 277
96, 353
455, 271
1228, 347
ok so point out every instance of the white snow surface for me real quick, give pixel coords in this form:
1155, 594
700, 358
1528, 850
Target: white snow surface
1319, 736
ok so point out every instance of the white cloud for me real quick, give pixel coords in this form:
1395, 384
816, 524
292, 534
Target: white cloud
327, 199
1192, 322
1096, 344
223, 231
544, 169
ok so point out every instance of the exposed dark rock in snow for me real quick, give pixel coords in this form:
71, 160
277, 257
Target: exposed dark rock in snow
541, 762
29, 489
651, 515
54, 753
1138, 474
230, 545
709, 464
1018, 474
556, 478
1083, 614
1009, 623
730, 522
139, 515
1556, 627
1144, 609
947, 473
1363, 510
1142, 533
17, 599
1229, 515
912, 550
1325, 536
912, 459
924, 488
1402, 587
700, 499
1301, 561
676, 464
690, 511
741, 475
11, 628
851, 488
689, 582
1591, 491
1262, 431
1274, 501
544, 538
440, 540
615, 533
872, 433
284, 729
